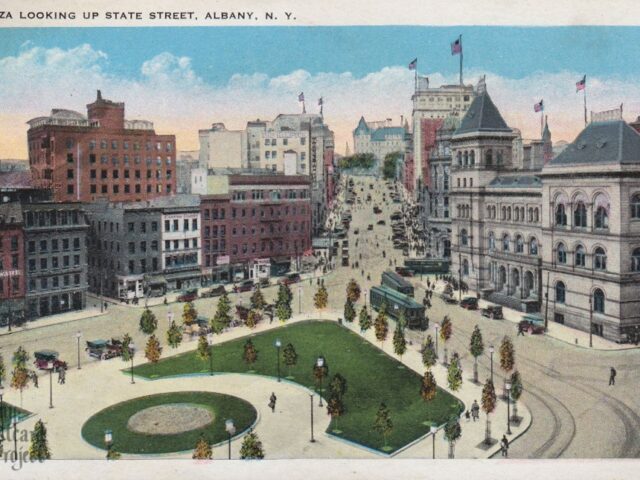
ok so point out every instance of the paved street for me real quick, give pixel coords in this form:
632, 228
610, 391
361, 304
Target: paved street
575, 413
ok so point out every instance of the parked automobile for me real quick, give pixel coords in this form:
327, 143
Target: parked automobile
370, 227
291, 278
44, 359
356, 231
188, 296
469, 303
264, 282
448, 298
245, 286
405, 272
381, 222
214, 292
104, 349
533, 324
494, 312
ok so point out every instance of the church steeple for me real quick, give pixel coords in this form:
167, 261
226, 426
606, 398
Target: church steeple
547, 145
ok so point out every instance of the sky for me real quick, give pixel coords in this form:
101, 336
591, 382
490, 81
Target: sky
185, 79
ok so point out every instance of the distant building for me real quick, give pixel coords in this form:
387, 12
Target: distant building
222, 148
11, 165
101, 155
378, 138
186, 163
12, 264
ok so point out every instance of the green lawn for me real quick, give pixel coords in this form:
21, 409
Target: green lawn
8, 411
372, 377
115, 418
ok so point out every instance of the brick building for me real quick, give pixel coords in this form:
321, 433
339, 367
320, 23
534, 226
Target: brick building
12, 281
101, 155
253, 219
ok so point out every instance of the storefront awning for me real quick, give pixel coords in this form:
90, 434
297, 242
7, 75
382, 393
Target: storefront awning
158, 280
182, 275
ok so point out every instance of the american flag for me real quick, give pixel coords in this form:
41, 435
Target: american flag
413, 64
581, 84
456, 47
538, 107
301, 97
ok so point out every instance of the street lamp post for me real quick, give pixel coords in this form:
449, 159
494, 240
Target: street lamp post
15, 435
299, 299
50, 367
132, 352
1, 414
508, 385
278, 344
78, 336
311, 405
491, 350
364, 293
231, 430
434, 430
210, 342
108, 441
437, 326
320, 365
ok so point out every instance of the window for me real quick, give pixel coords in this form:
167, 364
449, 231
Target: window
492, 241
560, 292
505, 242
580, 256
635, 206
635, 260
131, 226
465, 267
561, 253
580, 215
561, 215
602, 217
599, 259
488, 157
598, 301
464, 238
519, 244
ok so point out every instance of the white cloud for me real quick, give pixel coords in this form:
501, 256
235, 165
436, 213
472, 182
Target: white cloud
169, 92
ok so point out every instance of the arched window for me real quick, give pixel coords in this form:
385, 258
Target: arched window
561, 215
560, 292
519, 244
533, 246
580, 256
500, 159
505, 242
599, 259
488, 211
635, 206
466, 158
530, 218
516, 214
504, 213
536, 215
598, 301
472, 158
464, 238
580, 215
465, 267
602, 218
459, 156
522, 213
488, 157
561, 253
635, 260
492, 241
508, 213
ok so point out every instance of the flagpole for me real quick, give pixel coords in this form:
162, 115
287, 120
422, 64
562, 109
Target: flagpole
304, 108
541, 122
461, 52
585, 101
415, 79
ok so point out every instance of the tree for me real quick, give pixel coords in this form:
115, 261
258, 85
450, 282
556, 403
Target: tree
402, 319
446, 330
429, 357
364, 319
452, 432
3, 370
189, 313
204, 349
290, 357
389, 165
174, 335
203, 449
250, 354
253, 318
283, 303
399, 341
127, 353
320, 373
38, 449
257, 299
338, 385
507, 359
488, 401
222, 318
148, 322
353, 291
454, 374
251, 448
516, 393
349, 311
321, 298
429, 387
153, 350
382, 423
20, 374
335, 408
476, 348
381, 325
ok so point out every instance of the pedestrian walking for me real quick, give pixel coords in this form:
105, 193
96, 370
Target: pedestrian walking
504, 446
475, 410
520, 330
612, 376
34, 379
106, 305
272, 402
467, 415
62, 376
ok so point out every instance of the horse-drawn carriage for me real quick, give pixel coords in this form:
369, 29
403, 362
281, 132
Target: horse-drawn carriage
48, 360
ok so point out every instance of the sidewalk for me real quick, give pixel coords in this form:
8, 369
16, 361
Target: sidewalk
100, 384
555, 330
65, 317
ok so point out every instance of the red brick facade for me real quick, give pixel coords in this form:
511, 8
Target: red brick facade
261, 217
429, 127
101, 156
12, 269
